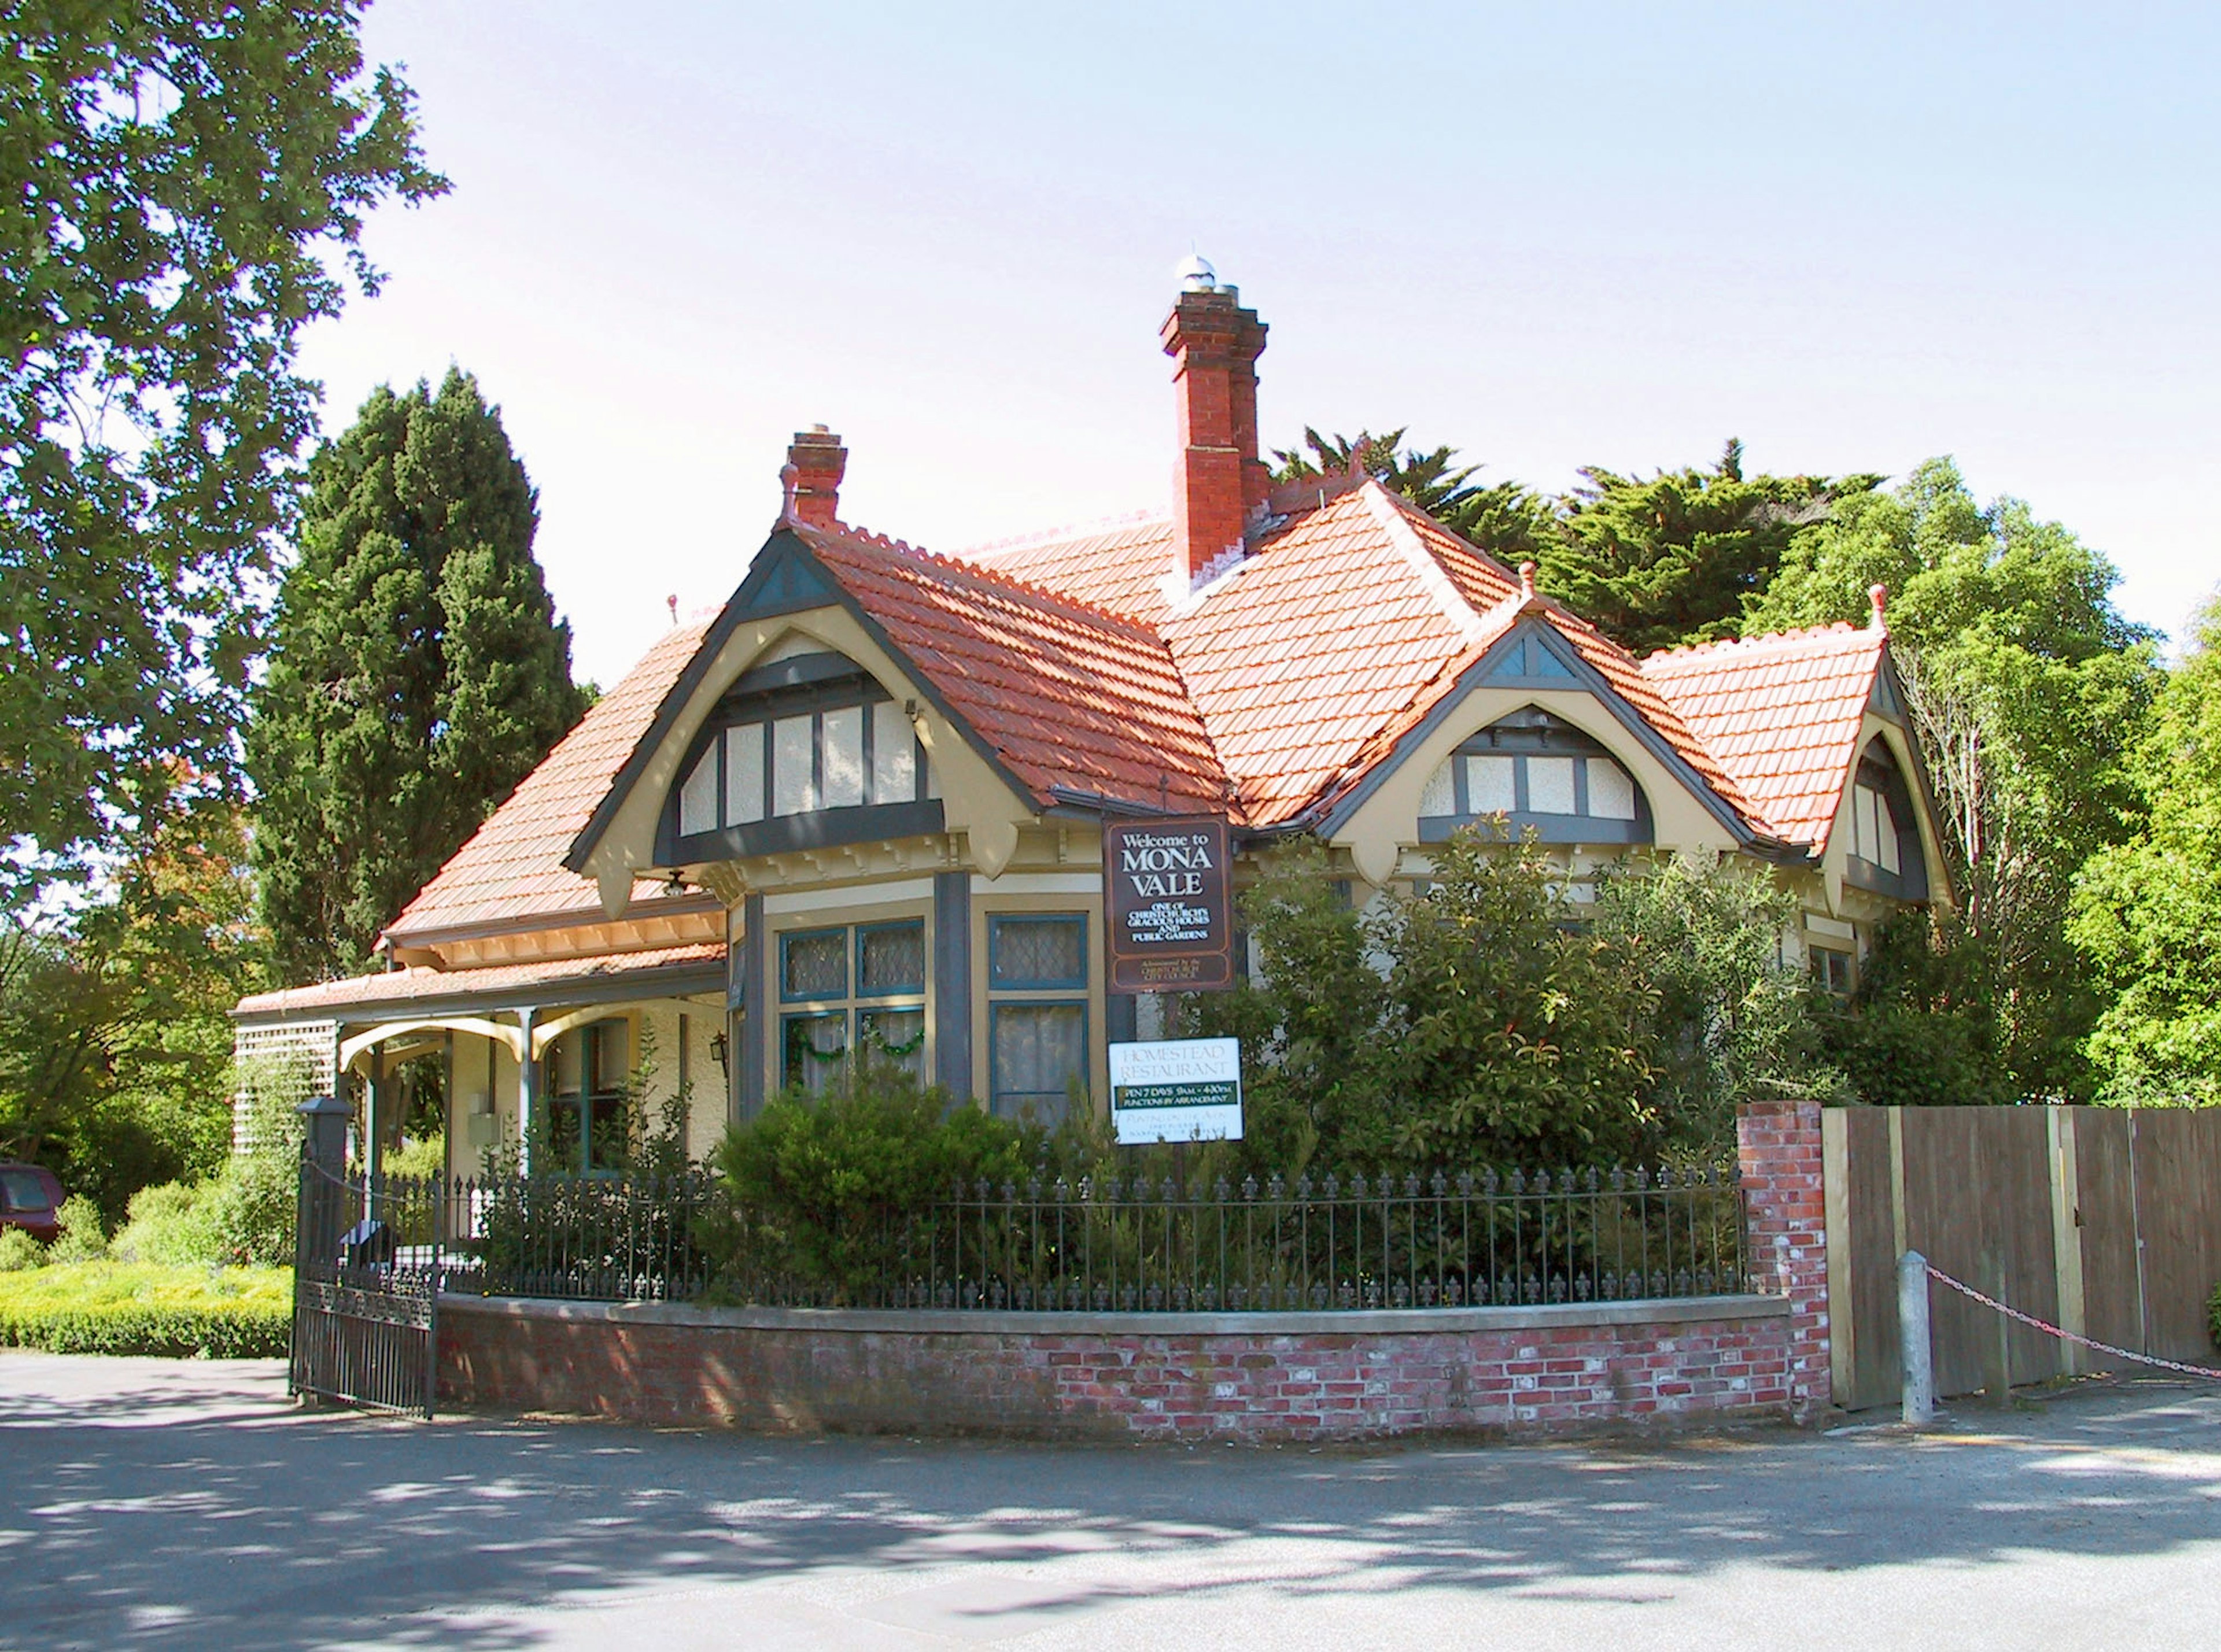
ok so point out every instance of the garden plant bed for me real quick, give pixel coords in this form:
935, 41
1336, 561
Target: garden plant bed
109, 1307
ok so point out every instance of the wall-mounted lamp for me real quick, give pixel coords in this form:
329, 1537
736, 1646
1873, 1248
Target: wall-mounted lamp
717, 1049
675, 884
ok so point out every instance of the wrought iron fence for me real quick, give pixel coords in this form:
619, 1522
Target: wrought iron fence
1117, 1243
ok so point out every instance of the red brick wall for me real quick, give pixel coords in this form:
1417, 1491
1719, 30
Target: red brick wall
769, 1371
1779, 1148
1258, 1378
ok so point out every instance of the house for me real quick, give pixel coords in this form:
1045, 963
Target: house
862, 805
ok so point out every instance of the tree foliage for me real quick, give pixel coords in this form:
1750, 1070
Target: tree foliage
2147, 911
114, 1040
174, 175
2029, 691
1494, 1019
417, 671
1504, 520
1677, 557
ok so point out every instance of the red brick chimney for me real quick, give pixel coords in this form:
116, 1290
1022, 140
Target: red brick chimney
1216, 344
814, 464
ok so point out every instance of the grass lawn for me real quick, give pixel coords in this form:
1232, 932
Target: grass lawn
116, 1307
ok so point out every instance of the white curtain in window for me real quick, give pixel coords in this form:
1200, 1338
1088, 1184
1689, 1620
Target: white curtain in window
793, 782
698, 796
841, 739
1441, 795
744, 774
1488, 786
1612, 791
894, 755
1551, 785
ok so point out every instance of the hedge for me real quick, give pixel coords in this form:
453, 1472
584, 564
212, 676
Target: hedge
142, 1308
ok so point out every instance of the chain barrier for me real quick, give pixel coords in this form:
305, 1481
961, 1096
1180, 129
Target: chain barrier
1965, 1289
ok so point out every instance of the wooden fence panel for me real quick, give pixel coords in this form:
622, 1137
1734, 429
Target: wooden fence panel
2104, 1207
2178, 1188
1991, 1195
1865, 1322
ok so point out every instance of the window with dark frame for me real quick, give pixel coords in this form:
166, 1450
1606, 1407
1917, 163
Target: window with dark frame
831, 739
1037, 1012
1536, 772
587, 1080
857, 988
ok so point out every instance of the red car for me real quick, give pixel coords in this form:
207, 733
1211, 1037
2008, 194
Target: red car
29, 1196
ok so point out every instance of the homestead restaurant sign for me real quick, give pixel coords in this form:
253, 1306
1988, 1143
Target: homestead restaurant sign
1170, 928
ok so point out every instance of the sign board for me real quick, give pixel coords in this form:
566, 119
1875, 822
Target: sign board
1166, 884
1180, 1090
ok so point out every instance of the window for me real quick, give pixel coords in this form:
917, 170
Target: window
810, 732
1538, 773
859, 987
1037, 1012
587, 1083
1831, 970
1884, 838
23, 1190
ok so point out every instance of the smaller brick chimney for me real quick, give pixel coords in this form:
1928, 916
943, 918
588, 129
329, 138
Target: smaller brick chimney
814, 464
1215, 344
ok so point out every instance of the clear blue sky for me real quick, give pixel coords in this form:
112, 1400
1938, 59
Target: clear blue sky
1551, 235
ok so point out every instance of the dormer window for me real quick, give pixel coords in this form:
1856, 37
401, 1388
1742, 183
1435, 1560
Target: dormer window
808, 750
1536, 772
1885, 840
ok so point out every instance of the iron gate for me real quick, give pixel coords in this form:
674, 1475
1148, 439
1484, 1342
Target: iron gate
366, 1270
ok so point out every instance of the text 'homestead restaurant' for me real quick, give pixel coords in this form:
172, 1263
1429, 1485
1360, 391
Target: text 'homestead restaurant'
865, 805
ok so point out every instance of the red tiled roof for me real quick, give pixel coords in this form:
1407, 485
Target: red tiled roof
402, 986
511, 869
1120, 566
1782, 713
1302, 653
1064, 694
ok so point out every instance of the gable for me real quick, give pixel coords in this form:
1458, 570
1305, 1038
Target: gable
1510, 673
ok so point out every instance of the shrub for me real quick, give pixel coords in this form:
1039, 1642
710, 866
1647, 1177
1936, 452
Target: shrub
84, 1237
111, 1308
2213, 1315
19, 1251
173, 1224
832, 1176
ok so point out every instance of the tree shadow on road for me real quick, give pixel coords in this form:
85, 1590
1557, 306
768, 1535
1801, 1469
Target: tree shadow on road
224, 1517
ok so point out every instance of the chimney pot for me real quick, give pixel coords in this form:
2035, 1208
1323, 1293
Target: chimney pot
814, 464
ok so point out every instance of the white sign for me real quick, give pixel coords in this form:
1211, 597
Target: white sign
1180, 1090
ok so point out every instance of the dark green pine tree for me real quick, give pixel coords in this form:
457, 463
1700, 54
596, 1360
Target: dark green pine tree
416, 671
1676, 557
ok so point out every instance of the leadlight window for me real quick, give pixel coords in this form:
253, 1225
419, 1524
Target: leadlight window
1037, 1012
1536, 772
857, 988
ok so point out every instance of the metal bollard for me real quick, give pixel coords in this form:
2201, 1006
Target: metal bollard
1915, 1347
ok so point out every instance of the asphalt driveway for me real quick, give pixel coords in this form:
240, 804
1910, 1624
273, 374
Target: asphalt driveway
165, 1504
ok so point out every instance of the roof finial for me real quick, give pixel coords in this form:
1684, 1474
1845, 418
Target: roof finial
671, 602
1527, 582
1878, 595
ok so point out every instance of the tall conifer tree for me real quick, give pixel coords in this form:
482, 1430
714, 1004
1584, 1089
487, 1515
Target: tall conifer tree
417, 670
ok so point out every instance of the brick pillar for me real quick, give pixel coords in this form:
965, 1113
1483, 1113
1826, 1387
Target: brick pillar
1779, 1149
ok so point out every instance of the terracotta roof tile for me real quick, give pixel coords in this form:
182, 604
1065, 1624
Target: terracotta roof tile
405, 986
1067, 695
1782, 712
1119, 567
511, 869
